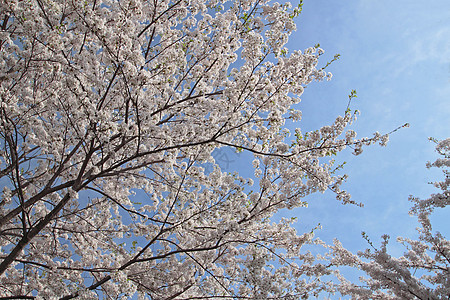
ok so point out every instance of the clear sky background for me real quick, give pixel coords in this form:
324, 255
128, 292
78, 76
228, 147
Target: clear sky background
396, 55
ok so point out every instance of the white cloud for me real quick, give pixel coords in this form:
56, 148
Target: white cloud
433, 44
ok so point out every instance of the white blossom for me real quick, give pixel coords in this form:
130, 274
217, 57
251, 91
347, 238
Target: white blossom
110, 115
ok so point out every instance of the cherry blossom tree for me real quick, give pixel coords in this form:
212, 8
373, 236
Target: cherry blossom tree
110, 112
423, 272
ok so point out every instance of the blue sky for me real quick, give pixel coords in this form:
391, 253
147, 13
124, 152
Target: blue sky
396, 55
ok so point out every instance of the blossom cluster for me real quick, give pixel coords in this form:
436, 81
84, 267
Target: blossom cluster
110, 113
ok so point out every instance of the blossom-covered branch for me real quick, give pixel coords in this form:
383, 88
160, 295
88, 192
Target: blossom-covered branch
110, 112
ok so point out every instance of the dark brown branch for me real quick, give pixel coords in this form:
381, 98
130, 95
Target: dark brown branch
157, 18
77, 185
